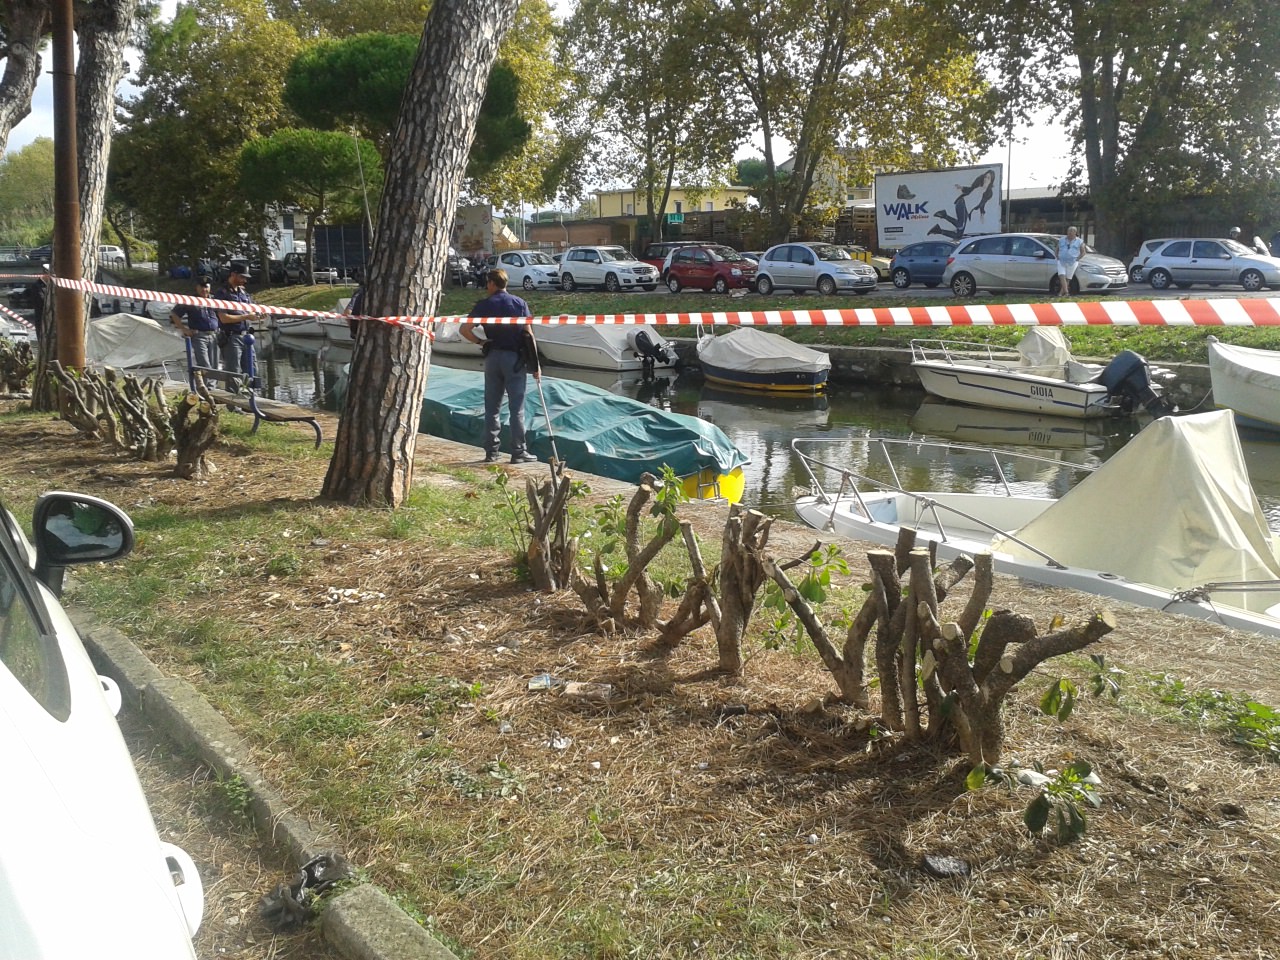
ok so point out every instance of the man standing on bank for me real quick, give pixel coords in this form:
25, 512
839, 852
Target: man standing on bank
1070, 250
509, 356
234, 327
200, 324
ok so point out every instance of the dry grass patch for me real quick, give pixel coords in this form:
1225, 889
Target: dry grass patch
381, 664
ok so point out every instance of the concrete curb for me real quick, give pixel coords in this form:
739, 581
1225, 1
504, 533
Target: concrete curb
363, 922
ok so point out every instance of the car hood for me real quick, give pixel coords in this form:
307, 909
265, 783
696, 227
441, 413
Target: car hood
1102, 260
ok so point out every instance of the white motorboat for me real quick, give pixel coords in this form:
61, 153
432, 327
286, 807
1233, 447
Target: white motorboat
1169, 522
1042, 377
751, 359
1247, 382
620, 348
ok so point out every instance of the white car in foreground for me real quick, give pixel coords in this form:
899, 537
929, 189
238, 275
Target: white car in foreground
82, 870
529, 270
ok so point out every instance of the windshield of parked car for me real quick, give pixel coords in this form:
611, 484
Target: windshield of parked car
727, 254
1236, 247
608, 254
826, 251
538, 258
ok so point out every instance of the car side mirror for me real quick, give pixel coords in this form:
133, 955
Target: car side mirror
73, 528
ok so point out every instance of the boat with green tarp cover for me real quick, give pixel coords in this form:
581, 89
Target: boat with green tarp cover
595, 431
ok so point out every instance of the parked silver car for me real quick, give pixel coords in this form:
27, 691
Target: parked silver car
1139, 261
824, 267
1026, 261
1212, 261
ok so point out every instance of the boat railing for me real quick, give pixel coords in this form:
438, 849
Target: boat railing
850, 480
963, 351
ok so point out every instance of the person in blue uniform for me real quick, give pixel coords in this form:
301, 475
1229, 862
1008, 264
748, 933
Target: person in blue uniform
200, 324
509, 358
233, 326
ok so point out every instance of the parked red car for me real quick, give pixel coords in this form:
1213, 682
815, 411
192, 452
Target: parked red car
710, 267
655, 254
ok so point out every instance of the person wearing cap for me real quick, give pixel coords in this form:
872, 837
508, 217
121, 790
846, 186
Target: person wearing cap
200, 324
233, 325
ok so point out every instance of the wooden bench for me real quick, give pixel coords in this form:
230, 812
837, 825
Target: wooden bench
240, 394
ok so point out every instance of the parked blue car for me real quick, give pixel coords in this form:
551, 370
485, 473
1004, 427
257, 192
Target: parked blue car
920, 263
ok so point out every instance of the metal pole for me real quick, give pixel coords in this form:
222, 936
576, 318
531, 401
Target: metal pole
68, 302
1008, 180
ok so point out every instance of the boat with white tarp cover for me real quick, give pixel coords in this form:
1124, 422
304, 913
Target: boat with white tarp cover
1170, 521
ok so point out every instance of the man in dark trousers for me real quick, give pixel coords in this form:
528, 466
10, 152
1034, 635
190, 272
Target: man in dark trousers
200, 324
234, 326
509, 356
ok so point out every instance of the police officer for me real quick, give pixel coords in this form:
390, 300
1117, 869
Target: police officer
234, 326
200, 324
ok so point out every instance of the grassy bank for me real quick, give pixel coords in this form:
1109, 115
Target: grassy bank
380, 663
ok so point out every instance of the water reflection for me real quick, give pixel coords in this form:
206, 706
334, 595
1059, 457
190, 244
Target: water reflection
301, 369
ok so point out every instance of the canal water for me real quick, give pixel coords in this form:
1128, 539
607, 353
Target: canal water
305, 371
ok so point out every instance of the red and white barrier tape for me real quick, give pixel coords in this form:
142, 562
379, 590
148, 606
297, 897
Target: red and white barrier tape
1260, 312
16, 318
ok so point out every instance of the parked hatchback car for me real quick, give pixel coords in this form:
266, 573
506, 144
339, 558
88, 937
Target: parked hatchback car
1026, 262
1185, 262
657, 253
1140, 258
72, 797
709, 267
824, 267
923, 262
613, 268
109, 253
530, 270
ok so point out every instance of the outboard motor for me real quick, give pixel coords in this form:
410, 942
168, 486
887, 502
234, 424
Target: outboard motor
649, 350
1128, 381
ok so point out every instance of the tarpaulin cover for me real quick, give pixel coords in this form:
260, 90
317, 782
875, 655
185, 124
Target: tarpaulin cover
754, 351
1173, 508
1246, 381
595, 431
124, 340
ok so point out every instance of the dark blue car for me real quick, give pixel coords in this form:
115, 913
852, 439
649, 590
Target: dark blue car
920, 263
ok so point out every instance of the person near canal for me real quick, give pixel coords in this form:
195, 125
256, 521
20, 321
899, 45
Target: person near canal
199, 324
509, 357
234, 326
1070, 250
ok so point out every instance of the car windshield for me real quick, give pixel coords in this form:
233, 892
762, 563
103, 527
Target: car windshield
827, 251
538, 258
608, 254
1236, 247
727, 254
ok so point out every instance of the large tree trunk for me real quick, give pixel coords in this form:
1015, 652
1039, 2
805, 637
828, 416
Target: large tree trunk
102, 30
373, 452
24, 25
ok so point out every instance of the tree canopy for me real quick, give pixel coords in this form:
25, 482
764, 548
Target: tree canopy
311, 169
1165, 98
26, 194
211, 81
358, 83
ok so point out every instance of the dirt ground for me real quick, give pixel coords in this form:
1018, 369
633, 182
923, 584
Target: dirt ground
694, 777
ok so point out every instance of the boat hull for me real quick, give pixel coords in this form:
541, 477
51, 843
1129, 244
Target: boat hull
776, 381
1011, 389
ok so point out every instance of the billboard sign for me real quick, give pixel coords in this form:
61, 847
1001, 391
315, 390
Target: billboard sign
948, 204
